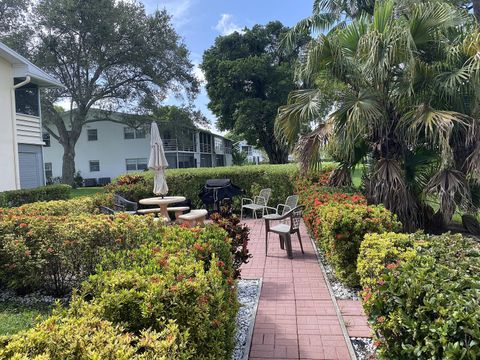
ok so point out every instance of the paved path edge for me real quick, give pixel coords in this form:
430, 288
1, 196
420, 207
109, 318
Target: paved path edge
351, 351
248, 345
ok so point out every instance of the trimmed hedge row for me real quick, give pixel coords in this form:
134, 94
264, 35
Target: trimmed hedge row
56, 253
16, 198
189, 182
422, 295
339, 220
157, 293
77, 206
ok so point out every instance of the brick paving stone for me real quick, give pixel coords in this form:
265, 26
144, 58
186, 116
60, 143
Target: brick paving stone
296, 317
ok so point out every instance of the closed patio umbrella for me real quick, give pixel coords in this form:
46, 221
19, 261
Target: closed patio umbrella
158, 161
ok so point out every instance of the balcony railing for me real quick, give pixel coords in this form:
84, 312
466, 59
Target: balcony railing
174, 145
206, 148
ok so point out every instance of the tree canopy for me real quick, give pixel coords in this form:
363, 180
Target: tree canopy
248, 77
109, 55
405, 86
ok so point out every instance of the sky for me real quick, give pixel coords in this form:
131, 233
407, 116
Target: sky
199, 22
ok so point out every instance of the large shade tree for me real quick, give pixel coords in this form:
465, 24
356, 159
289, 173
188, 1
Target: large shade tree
248, 77
109, 55
405, 88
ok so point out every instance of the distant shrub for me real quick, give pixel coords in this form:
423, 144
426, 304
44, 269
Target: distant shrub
16, 198
189, 182
83, 205
422, 295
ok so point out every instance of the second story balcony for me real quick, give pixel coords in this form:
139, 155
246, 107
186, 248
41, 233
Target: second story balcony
175, 145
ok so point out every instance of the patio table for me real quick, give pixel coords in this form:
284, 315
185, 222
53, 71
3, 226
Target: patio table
163, 203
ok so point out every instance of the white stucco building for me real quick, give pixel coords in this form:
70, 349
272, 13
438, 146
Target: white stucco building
108, 149
254, 155
21, 157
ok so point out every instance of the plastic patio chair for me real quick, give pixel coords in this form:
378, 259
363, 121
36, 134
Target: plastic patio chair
285, 230
282, 209
259, 202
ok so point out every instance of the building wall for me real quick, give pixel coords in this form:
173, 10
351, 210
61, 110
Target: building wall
110, 149
8, 148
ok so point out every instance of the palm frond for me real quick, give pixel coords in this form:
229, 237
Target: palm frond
387, 186
452, 189
302, 108
314, 24
434, 125
309, 146
341, 176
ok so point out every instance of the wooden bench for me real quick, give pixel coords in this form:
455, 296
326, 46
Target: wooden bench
194, 217
178, 211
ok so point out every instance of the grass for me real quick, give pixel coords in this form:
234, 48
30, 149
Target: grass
85, 191
15, 317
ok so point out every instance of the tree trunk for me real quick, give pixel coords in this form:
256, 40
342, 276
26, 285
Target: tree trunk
276, 153
68, 166
476, 10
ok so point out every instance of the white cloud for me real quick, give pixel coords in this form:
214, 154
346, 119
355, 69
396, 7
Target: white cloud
226, 26
199, 74
178, 9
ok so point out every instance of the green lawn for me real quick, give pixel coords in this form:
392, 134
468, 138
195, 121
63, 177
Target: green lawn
15, 317
85, 191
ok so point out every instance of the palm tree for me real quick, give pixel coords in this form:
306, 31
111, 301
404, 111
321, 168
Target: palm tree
404, 84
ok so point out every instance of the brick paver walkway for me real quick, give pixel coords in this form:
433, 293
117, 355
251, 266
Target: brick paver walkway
296, 317
354, 318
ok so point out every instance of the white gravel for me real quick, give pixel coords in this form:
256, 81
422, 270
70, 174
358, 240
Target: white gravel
340, 290
248, 292
364, 348
35, 298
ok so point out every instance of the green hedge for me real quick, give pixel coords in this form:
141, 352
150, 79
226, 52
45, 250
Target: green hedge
77, 206
158, 292
55, 253
189, 182
422, 295
16, 198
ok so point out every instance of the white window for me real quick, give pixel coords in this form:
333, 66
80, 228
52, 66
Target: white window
48, 170
92, 134
94, 165
46, 139
132, 133
138, 164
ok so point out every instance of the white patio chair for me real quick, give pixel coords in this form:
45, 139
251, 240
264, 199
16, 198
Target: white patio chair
259, 202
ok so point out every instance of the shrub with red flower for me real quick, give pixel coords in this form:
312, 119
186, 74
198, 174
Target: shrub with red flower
339, 219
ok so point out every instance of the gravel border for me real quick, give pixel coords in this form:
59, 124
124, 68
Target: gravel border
32, 299
364, 348
248, 293
340, 290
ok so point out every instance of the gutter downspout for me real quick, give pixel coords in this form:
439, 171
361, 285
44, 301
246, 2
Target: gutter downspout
27, 80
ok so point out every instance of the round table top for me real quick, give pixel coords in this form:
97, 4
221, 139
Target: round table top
162, 201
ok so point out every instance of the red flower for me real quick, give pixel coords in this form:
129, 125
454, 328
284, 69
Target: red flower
23, 225
50, 250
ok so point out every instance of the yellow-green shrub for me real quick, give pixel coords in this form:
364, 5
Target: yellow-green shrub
425, 301
83, 205
86, 336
